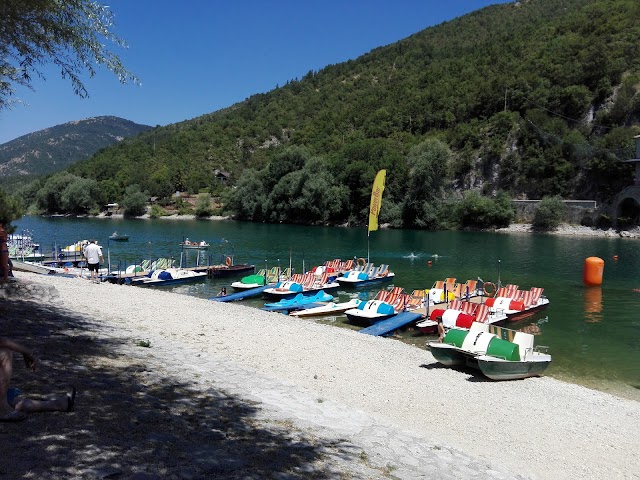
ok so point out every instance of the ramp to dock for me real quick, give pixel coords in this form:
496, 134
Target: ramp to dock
391, 324
252, 292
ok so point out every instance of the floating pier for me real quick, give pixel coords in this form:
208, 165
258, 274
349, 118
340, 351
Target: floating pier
391, 324
252, 292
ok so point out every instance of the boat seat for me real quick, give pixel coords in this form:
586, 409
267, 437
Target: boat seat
396, 290
525, 344
468, 307
512, 291
469, 288
348, 265
527, 298
383, 269
455, 305
537, 293
501, 293
482, 313
478, 338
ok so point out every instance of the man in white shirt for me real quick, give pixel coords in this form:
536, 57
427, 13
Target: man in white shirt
93, 254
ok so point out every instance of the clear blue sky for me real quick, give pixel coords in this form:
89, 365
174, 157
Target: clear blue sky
197, 56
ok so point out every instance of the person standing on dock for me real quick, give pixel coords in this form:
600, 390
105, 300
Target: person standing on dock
93, 254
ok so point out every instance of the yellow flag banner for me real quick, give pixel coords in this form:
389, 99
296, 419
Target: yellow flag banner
376, 199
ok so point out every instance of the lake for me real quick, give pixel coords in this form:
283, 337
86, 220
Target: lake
593, 333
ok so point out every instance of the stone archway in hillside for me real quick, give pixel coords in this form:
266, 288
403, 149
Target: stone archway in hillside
628, 212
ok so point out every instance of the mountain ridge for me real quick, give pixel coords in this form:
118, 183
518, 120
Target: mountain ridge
55, 148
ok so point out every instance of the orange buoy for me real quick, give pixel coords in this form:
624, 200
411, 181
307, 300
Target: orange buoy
593, 268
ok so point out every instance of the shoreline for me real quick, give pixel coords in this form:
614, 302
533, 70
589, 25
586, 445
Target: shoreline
545, 428
572, 230
564, 229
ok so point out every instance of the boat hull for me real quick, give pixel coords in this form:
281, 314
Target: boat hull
194, 246
301, 299
349, 283
241, 287
359, 317
528, 312
227, 271
157, 282
446, 354
497, 369
330, 309
32, 267
276, 295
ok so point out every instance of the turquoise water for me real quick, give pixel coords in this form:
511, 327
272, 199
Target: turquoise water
593, 333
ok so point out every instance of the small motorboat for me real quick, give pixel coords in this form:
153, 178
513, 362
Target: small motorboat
117, 237
75, 249
330, 308
517, 304
249, 282
387, 304
365, 277
460, 314
229, 268
499, 353
261, 278
169, 276
298, 302
306, 284
194, 245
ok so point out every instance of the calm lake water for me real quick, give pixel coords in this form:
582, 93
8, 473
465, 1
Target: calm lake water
593, 333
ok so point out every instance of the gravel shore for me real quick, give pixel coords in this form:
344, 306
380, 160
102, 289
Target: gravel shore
207, 365
574, 230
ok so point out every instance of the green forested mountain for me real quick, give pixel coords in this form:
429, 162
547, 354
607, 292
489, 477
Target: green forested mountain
52, 149
533, 98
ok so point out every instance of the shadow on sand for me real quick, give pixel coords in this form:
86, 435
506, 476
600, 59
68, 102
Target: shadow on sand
132, 420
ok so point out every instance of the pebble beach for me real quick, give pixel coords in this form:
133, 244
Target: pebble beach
172, 386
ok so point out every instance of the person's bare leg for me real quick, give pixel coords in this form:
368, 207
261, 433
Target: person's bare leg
28, 405
4, 262
6, 369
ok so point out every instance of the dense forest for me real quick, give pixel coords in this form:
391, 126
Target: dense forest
530, 99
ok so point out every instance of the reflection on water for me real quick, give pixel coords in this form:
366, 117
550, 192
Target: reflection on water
593, 333
534, 328
592, 304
